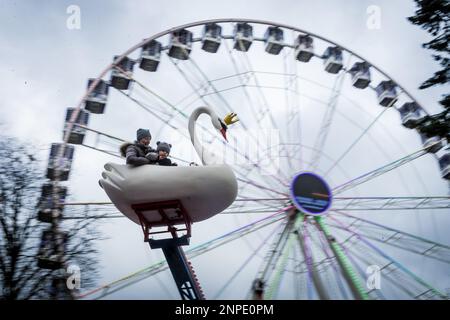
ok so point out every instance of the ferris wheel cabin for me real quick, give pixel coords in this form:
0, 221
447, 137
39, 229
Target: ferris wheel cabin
304, 49
96, 100
360, 73
150, 56
410, 113
180, 45
333, 59
58, 168
52, 249
58, 289
387, 93
444, 164
243, 36
274, 40
122, 74
77, 133
48, 209
430, 144
211, 37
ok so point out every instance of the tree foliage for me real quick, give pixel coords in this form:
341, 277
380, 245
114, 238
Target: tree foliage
21, 178
434, 17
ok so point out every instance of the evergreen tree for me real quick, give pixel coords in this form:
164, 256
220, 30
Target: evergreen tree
434, 17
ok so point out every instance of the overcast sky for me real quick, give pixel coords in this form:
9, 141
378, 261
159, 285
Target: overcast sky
44, 67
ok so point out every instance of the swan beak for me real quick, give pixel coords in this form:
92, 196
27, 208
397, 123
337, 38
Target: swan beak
223, 131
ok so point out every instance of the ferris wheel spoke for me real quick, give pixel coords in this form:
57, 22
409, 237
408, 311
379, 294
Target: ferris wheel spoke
360, 108
319, 249
242, 267
375, 142
152, 100
347, 151
111, 153
268, 191
173, 106
267, 110
327, 119
256, 185
379, 171
297, 114
280, 261
291, 99
263, 205
260, 112
129, 281
256, 210
101, 134
205, 78
330, 256
390, 203
402, 239
267, 201
148, 109
395, 262
396, 277
269, 261
411, 247
323, 155
304, 239
262, 199
384, 269
362, 274
246, 93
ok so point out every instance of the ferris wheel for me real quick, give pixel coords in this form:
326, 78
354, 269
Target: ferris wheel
336, 183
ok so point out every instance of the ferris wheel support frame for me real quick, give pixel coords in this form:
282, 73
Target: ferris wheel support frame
181, 269
185, 279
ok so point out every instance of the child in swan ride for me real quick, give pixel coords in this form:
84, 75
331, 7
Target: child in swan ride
163, 150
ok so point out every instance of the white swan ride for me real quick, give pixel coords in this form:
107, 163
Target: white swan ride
203, 191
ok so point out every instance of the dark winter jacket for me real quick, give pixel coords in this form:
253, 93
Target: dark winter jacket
166, 162
135, 153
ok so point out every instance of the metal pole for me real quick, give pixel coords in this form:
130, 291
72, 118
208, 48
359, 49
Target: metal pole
182, 272
346, 267
323, 294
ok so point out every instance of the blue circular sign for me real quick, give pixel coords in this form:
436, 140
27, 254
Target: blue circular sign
310, 193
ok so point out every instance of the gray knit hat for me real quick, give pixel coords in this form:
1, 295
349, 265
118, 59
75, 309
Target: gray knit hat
163, 146
143, 133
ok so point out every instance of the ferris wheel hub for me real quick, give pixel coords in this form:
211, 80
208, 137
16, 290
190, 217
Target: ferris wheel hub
310, 194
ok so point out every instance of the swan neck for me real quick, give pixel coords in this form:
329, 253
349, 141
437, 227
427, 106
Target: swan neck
203, 154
